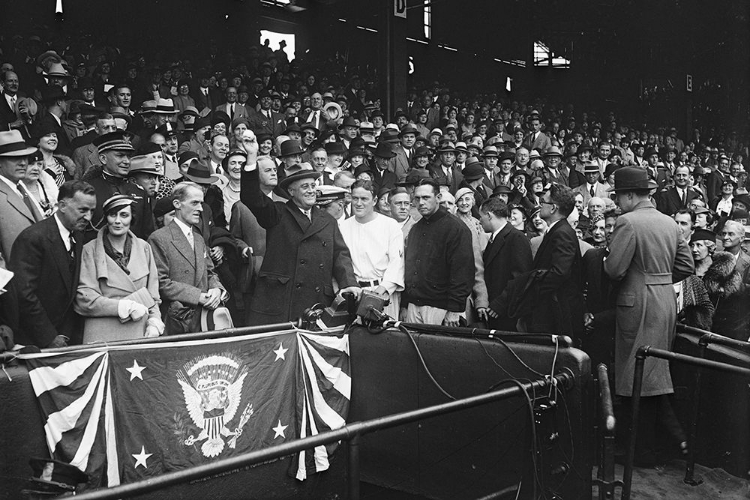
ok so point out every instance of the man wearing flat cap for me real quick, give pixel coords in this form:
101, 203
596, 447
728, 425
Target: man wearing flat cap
111, 178
304, 248
647, 255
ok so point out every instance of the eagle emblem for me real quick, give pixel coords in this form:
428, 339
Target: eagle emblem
212, 388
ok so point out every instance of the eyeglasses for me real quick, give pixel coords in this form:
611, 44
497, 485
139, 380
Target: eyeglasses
542, 202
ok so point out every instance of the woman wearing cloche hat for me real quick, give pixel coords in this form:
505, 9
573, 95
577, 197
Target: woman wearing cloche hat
118, 290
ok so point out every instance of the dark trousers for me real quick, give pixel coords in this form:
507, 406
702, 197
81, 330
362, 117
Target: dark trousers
656, 422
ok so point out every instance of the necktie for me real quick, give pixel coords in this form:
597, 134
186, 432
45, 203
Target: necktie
72, 252
308, 214
190, 239
591, 191
684, 197
232, 111
13, 102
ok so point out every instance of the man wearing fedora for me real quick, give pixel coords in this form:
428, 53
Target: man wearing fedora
16, 209
592, 188
348, 131
493, 175
445, 172
115, 150
551, 170
382, 177
304, 248
647, 255
404, 151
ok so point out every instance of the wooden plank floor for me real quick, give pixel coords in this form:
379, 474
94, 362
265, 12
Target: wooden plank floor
666, 482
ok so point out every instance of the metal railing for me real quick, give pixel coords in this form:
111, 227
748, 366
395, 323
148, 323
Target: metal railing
640, 359
706, 338
605, 477
350, 433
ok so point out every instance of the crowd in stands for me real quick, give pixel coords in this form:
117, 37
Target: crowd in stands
135, 129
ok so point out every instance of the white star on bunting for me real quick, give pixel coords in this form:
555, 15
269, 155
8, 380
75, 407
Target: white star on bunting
280, 352
135, 370
279, 430
140, 458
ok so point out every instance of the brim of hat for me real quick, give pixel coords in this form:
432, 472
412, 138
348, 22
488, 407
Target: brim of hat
161, 112
474, 178
388, 156
119, 204
302, 174
20, 152
203, 180
118, 148
144, 171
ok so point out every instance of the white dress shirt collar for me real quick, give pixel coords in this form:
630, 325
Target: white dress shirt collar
64, 233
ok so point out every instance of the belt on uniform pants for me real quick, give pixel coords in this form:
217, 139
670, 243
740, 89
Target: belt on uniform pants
366, 283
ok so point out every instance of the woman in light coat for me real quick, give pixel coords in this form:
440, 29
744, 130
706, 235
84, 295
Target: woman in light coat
118, 290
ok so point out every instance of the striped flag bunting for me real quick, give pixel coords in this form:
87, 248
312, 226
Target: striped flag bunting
127, 413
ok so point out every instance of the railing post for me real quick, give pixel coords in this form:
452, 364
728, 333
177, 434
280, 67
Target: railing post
606, 474
354, 467
627, 476
692, 441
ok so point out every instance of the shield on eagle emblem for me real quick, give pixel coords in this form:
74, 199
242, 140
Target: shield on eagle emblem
212, 388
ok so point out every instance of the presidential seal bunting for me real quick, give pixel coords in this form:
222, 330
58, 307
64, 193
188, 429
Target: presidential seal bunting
128, 413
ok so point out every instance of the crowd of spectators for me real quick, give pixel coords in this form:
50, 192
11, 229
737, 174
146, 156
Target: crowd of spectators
146, 197
140, 127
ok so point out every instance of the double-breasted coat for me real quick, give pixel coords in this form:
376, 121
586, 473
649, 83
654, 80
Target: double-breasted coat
647, 254
302, 257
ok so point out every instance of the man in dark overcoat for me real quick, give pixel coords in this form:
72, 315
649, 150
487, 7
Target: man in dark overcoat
304, 247
560, 294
